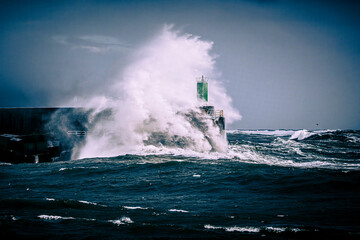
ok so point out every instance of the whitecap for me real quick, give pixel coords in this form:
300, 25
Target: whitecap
4, 163
86, 202
63, 169
91, 203
242, 229
353, 139
252, 229
121, 221
133, 208
178, 210
301, 135
52, 217
264, 132
276, 229
208, 226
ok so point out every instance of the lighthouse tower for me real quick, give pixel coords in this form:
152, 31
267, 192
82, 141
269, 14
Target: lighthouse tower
202, 94
202, 89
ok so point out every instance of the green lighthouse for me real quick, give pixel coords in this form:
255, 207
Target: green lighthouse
216, 115
202, 89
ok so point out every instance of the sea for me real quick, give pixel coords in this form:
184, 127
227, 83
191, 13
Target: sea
270, 184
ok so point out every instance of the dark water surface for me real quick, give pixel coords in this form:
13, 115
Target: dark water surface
270, 185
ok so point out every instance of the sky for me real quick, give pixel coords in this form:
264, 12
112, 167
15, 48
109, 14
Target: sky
285, 64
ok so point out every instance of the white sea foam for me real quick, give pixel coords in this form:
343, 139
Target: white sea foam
252, 154
208, 226
74, 168
264, 132
4, 163
294, 134
242, 229
80, 201
251, 229
86, 202
178, 210
249, 154
121, 221
303, 134
154, 98
353, 139
234, 228
299, 154
56, 218
134, 208
53, 217
276, 229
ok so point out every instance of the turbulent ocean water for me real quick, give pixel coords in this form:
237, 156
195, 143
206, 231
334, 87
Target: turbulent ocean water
283, 184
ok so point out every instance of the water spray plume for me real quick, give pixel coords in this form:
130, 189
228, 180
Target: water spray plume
153, 104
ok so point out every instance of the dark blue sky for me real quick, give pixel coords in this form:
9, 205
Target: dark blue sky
286, 64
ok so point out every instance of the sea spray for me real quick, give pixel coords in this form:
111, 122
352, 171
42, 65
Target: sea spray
153, 101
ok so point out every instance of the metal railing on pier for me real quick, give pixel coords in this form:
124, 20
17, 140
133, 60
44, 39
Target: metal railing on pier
219, 113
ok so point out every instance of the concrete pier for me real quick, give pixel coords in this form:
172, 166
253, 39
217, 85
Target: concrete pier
33, 135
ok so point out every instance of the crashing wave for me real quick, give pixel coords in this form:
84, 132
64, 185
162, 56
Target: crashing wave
301, 134
153, 101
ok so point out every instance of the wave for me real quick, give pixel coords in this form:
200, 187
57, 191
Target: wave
178, 210
76, 168
263, 132
75, 203
122, 221
134, 208
301, 135
249, 229
325, 149
149, 102
280, 152
61, 218
304, 134
294, 134
91, 203
306, 153
350, 136
52, 217
4, 163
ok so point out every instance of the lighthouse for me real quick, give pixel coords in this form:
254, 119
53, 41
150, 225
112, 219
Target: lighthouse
202, 94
